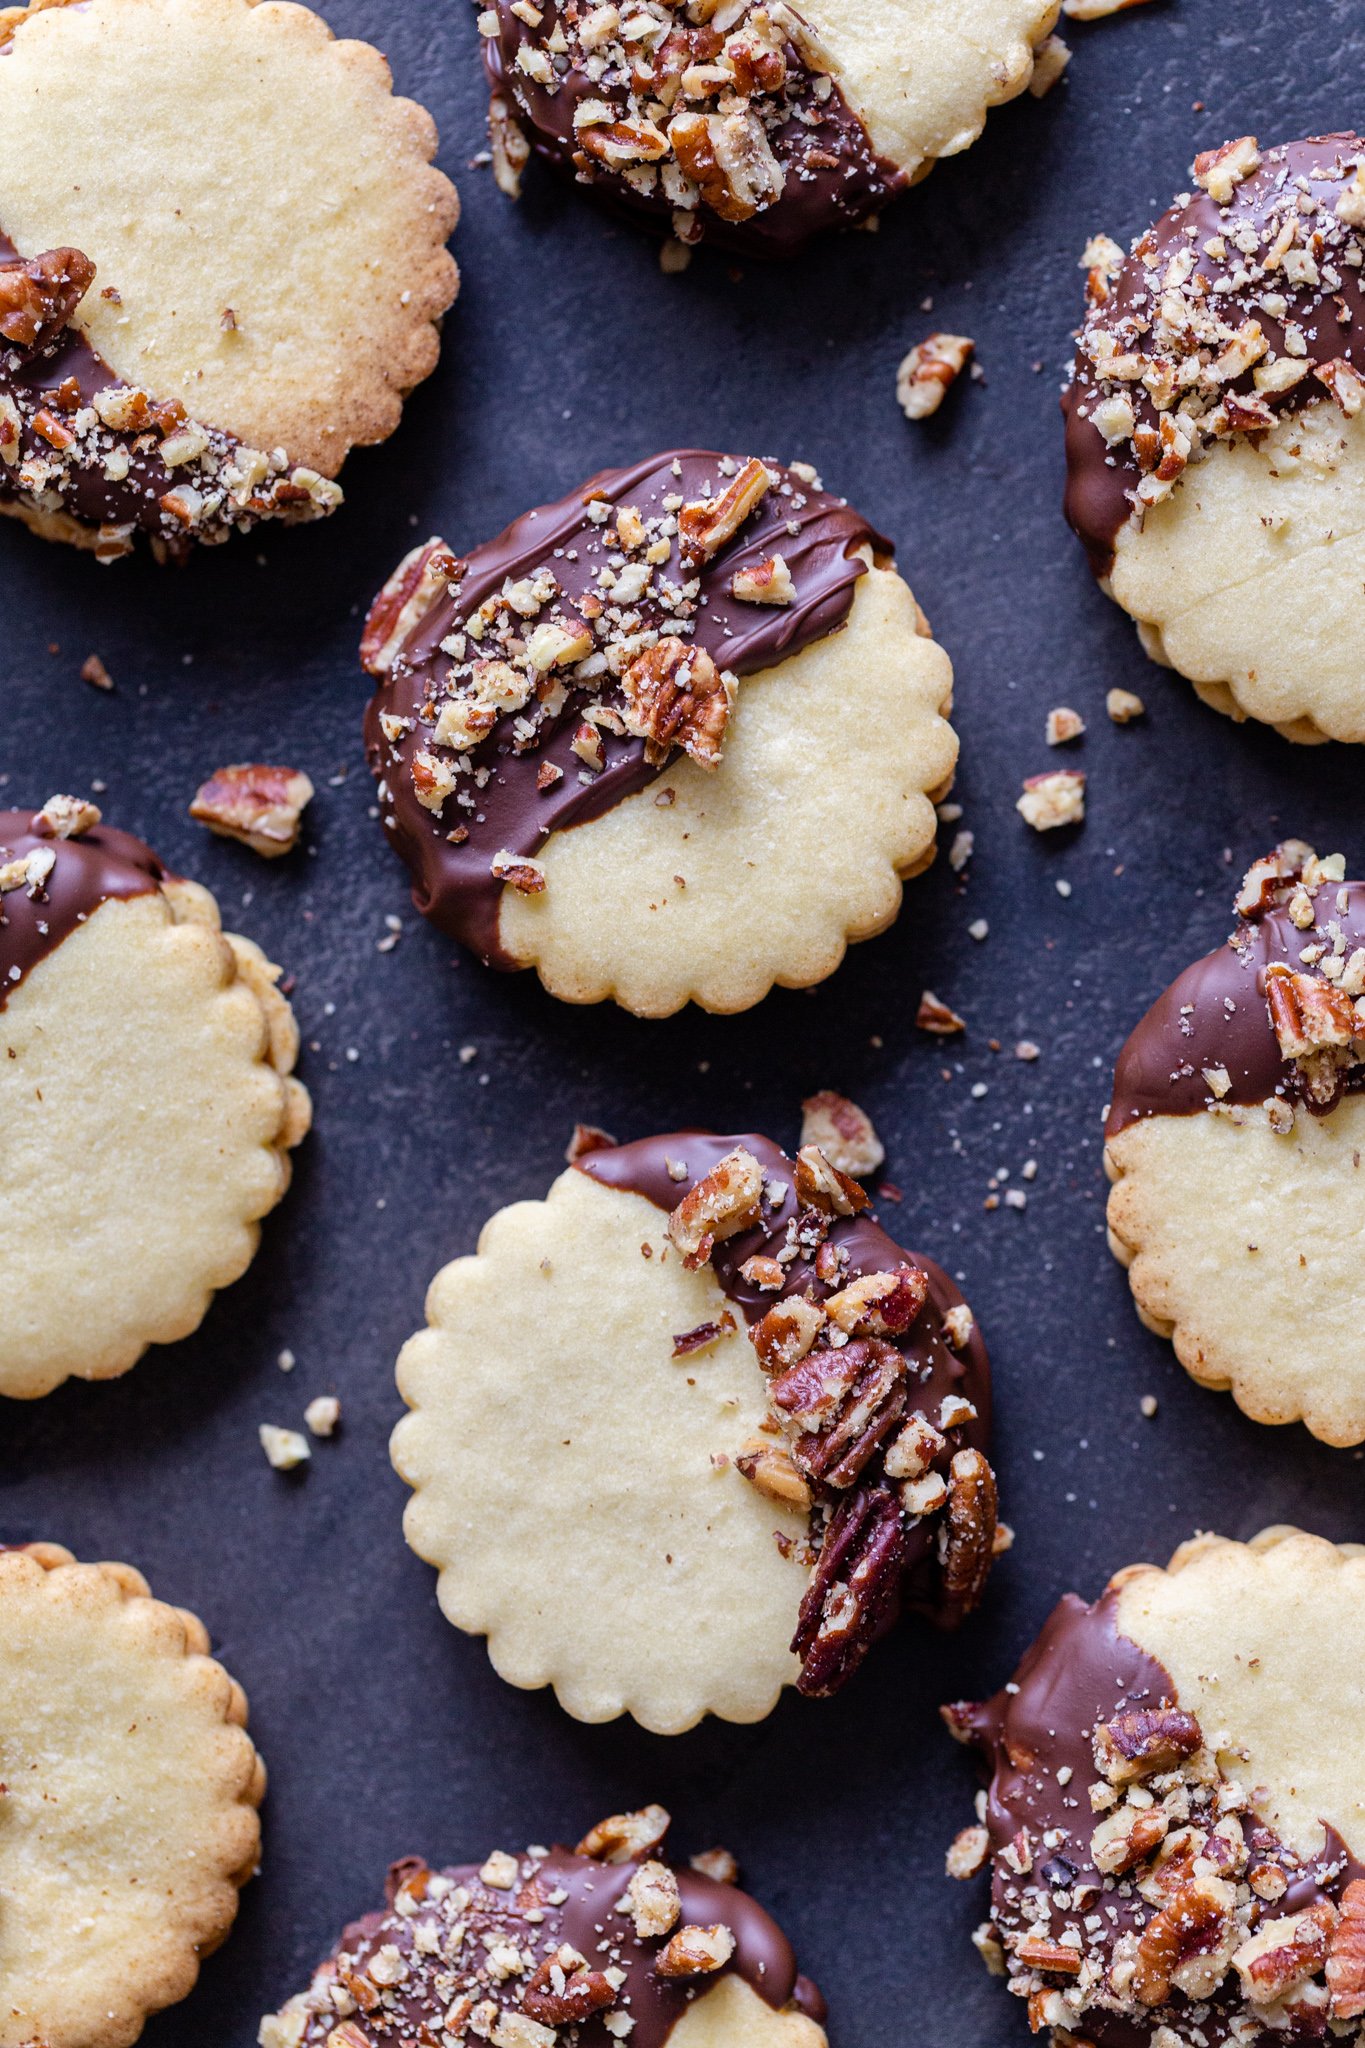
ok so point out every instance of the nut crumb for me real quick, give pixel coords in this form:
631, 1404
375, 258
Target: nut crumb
1148, 1405
322, 1414
843, 1132
929, 371
285, 1448
259, 805
934, 1016
1049, 62
1053, 800
1123, 706
93, 671
1063, 726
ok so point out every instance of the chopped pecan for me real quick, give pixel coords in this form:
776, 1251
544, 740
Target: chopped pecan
1145, 1740
507, 145
935, 1017
418, 584
38, 298
914, 1450
1282, 1954
1052, 800
1266, 881
729, 157
66, 817
1346, 1955
521, 873
616, 144
821, 1185
721, 1204
677, 697
854, 1593
1127, 1837
624, 1836
1308, 1014
1188, 1945
705, 524
695, 1952
969, 1850
763, 1273
765, 582
1057, 1958
564, 1991
969, 1529
929, 371
786, 1333
652, 1900
844, 1133
255, 803
1221, 171
716, 1863
880, 1304
843, 1404
770, 1469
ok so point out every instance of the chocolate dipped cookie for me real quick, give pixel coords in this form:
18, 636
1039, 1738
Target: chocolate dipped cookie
147, 1100
676, 737
1234, 1140
561, 1948
751, 1433
750, 123
1216, 433
1174, 1820
222, 263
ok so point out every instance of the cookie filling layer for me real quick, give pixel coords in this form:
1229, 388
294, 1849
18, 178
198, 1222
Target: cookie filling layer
537, 682
78, 443
1243, 304
1135, 1895
556, 1946
52, 878
1276, 1017
878, 1382
725, 121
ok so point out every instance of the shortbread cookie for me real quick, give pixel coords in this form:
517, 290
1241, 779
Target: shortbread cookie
584, 671
749, 1433
1234, 1141
606, 1942
753, 123
1175, 1824
1216, 433
147, 1102
221, 264
128, 1797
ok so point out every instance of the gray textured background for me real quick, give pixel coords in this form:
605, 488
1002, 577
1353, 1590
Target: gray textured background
385, 1731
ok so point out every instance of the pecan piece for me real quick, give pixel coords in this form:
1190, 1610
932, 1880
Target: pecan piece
695, 1952
1188, 1945
880, 1304
1145, 1740
38, 298
1282, 1954
821, 1185
1221, 171
1308, 1015
772, 1472
844, 1133
652, 1900
623, 1836
786, 1333
1265, 882
66, 817
257, 804
969, 1529
929, 371
1346, 1955
677, 697
705, 524
507, 146
723, 1203
417, 585
854, 1593
843, 1403
564, 1990
765, 582
729, 157
1127, 1837
588, 1138
1056, 1957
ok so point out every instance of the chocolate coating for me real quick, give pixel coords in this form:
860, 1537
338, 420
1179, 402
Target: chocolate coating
936, 1370
834, 175
453, 885
575, 1898
1331, 319
1082, 1671
88, 870
1215, 1015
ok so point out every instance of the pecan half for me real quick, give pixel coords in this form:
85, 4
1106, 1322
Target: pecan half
564, 1990
1346, 1955
38, 298
677, 697
854, 1593
623, 1836
705, 524
844, 1133
721, 1204
259, 805
1145, 1740
418, 583
843, 1404
969, 1529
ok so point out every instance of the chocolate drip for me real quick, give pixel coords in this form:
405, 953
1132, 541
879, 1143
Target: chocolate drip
817, 535
1215, 1015
935, 1369
575, 1900
1036, 1737
87, 871
1101, 480
834, 174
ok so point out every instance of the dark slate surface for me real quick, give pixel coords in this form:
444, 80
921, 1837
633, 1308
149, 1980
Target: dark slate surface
385, 1731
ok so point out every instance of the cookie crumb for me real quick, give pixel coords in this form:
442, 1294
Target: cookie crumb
1025, 1049
468, 1053
286, 1361
1063, 726
929, 371
977, 929
322, 1414
285, 1448
1124, 706
93, 671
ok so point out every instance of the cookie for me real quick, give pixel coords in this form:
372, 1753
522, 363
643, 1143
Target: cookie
707, 668
749, 1434
1234, 1142
128, 1797
222, 263
1216, 433
147, 1101
586, 1945
748, 123
1175, 1823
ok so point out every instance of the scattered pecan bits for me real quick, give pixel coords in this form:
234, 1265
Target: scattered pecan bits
1051, 801
706, 524
1049, 62
416, 586
624, 1836
259, 805
1063, 726
66, 817
284, 1448
508, 146
841, 1404
787, 1332
772, 1472
821, 1185
695, 1952
38, 298
524, 875
765, 582
1283, 1954
1188, 1945
676, 696
969, 1540
968, 1853
1267, 882
587, 1138
935, 1017
929, 371
705, 1334
854, 1592
1346, 1956
1144, 1741
652, 1900
725, 1202
730, 160
563, 1991
842, 1132
716, 1863
1317, 1025
1221, 171
1127, 1837
30, 871
879, 1304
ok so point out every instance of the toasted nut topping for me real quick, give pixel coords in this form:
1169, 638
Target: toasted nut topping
771, 1470
677, 697
716, 1863
842, 1131
258, 805
1055, 1957
915, 1449
695, 1952
786, 1333
1221, 171
705, 524
969, 1541
624, 1836
729, 157
524, 875
1143, 1741
1123, 706
652, 1900
766, 582
1049, 62
821, 1185
883, 1304
968, 1853
322, 1414
419, 583
507, 145
563, 1991
935, 1017
1063, 725
38, 298
1126, 1837
285, 1448
66, 817
1346, 1956
725, 1202
1188, 1945
929, 371
587, 1138
1282, 1954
